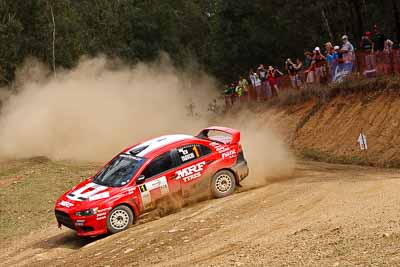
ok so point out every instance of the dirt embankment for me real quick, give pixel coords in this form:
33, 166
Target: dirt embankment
329, 131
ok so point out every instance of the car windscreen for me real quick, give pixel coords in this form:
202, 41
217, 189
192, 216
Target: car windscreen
119, 171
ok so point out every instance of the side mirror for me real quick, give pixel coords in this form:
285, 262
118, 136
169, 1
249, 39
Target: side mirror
140, 179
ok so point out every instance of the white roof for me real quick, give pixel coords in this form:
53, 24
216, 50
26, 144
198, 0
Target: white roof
158, 142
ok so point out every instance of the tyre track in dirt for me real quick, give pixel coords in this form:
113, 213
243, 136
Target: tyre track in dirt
326, 215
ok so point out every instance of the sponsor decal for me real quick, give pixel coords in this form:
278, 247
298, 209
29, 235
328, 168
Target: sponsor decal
219, 147
192, 172
128, 190
65, 204
87, 191
189, 152
230, 154
187, 157
99, 196
102, 214
80, 222
146, 188
226, 152
103, 210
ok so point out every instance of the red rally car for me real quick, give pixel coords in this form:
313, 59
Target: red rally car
139, 177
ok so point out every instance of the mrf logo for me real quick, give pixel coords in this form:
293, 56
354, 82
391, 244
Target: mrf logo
191, 172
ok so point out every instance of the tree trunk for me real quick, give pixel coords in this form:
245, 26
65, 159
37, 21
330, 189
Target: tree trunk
359, 18
54, 40
396, 17
327, 25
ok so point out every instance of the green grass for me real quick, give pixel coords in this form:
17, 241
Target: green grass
29, 190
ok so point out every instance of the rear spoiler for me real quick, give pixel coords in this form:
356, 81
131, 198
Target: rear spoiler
232, 138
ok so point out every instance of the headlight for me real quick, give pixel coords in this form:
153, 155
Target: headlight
88, 212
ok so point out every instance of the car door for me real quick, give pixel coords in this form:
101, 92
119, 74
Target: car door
159, 180
193, 164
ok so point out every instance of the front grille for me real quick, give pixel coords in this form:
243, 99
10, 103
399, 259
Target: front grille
87, 228
64, 219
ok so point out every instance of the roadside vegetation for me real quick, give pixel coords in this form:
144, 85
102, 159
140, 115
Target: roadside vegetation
354, 84
28, 189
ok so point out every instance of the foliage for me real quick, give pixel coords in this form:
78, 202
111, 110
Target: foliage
224, 36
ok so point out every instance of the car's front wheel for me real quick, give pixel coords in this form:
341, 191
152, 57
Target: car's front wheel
223, 184
119, 219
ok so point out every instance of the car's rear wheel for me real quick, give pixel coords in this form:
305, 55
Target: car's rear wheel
223, 184
119, 219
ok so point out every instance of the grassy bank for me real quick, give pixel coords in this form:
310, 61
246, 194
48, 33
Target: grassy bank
29, 189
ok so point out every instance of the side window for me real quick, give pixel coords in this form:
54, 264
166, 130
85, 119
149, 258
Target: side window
160, 164
191, 152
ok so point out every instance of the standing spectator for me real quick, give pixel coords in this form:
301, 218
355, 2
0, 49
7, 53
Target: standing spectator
298, 66
388, 56
320, 61
257, 85
309, 64
228, 95
339, 59
367, 46
252, 78
243, 84
331, 58
347, 51
378, 39
271, 77
264, 82
278, 76
293, 70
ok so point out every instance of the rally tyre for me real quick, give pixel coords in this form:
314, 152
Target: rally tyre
119, 219
223, 184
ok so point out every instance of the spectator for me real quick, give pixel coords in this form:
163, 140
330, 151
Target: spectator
298, 66
328, 47
347, 50
252, 77
271, 77
257, 85
388, 56
228, 95
320, 62
243, 84
378, 40
309, 64
293, 70
367, 46
331, 58
264, 82
339, 55
278, 75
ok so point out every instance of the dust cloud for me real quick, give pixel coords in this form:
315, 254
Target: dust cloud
268, 156
101, 106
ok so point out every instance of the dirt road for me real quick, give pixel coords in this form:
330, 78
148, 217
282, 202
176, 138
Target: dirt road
327, 215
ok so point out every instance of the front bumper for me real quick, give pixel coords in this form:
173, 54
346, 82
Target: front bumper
83, 225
